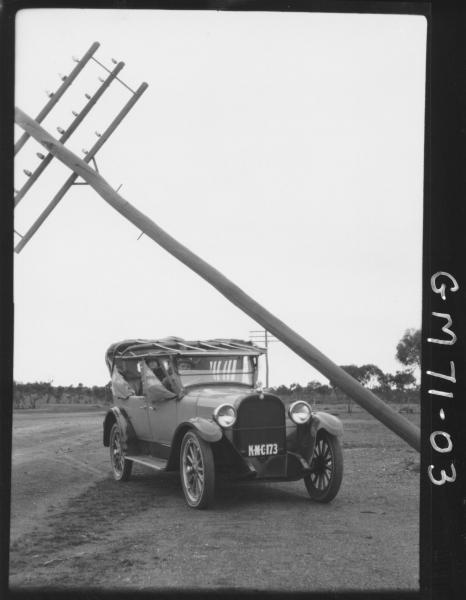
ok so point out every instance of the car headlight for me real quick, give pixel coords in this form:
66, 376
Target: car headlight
300, 412
225, 415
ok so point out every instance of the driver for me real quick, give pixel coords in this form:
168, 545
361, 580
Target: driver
184, 364
189, 368
153, 364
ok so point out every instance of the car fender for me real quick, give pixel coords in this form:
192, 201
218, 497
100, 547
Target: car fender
118, 416
208, 430
322, 420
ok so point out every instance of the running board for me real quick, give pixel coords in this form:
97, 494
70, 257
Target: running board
149, 461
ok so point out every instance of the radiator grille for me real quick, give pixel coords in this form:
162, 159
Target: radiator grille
260, 421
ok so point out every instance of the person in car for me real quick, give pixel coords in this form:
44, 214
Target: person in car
153, 364
189, 371
164, 379
184, 365
155, 383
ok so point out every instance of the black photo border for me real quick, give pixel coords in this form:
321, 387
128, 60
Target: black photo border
442, 557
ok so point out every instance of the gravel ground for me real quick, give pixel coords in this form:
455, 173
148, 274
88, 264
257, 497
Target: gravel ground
72, 526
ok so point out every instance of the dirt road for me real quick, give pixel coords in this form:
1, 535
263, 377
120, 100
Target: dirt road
74, 527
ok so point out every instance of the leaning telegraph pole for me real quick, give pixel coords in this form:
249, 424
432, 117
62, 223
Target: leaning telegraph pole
111, 75
79, 167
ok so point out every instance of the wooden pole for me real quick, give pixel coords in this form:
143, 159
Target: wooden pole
381, 411
72, 178
71, 129
59, 93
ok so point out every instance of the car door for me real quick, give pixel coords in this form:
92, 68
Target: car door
126, 391
137, 410
161, 410
162, 419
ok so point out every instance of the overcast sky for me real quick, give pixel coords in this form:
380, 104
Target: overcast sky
284, 149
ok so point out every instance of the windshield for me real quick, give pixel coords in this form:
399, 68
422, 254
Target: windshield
215, 369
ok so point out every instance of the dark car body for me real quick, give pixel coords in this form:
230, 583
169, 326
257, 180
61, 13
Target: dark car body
174, 405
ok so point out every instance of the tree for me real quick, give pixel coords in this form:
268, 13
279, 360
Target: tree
314, 389
408, 350
313, 386
325, 389
367, 375
385, 382
352, 370
403, 379
281, 390
371, 376
355, 372
296, 389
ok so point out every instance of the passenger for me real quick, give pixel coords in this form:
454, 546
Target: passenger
167, 380
189, 368
184, 365
153, 364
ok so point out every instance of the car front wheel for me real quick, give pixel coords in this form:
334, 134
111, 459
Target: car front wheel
121, 467
324, 479
197, 471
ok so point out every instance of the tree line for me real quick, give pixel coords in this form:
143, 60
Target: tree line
408, 354
389, 385
31, 395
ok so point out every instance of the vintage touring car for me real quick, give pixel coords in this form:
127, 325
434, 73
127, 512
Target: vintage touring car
194, 406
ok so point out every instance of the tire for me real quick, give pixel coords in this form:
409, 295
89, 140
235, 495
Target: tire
197, 471
324, 480
121, 467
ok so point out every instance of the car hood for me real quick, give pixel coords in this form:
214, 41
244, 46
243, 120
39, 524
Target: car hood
209, 396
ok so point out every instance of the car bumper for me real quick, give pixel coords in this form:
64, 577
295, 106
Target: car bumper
287, 466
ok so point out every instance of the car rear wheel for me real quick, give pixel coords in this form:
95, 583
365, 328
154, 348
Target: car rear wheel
197, 471
121, 467
324, 479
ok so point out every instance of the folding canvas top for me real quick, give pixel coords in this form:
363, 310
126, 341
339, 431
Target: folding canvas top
137, 349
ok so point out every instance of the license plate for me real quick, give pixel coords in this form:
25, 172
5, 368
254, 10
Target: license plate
262, 449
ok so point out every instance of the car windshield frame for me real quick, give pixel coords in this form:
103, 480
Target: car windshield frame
216, 370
